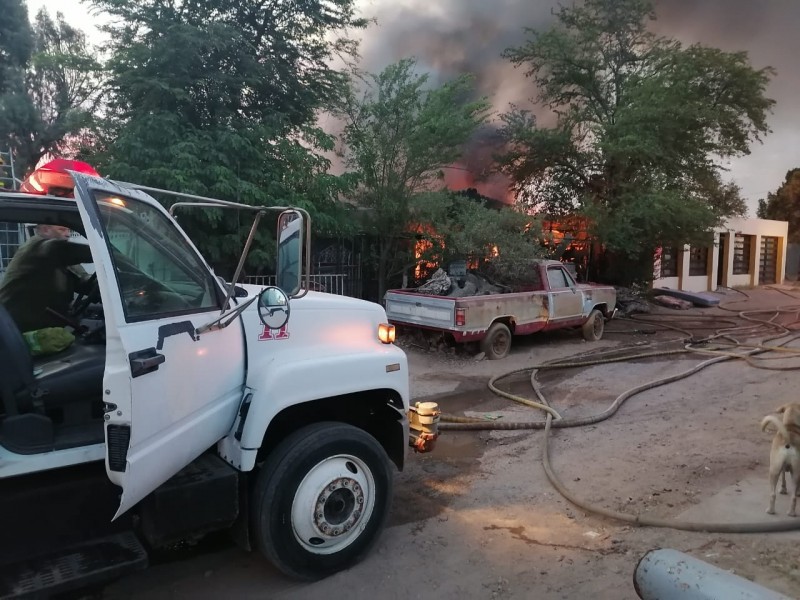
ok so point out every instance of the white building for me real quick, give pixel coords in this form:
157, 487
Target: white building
745, 253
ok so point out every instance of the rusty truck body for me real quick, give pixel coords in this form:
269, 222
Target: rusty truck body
552, 299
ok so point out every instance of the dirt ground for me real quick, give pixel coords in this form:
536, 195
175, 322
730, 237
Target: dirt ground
478, 517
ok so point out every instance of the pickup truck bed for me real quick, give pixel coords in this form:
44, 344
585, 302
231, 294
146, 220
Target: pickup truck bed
492, 319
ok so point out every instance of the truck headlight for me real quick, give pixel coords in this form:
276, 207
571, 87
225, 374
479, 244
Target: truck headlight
386, 333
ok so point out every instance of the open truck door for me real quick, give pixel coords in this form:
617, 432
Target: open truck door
170, 391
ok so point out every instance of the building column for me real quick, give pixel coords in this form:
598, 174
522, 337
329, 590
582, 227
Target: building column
780, 263
713, 258
683, 267
730, 250
755, 259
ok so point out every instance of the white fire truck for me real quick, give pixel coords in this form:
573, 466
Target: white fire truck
189, 405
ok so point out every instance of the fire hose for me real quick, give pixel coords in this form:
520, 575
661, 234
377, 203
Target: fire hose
725, 350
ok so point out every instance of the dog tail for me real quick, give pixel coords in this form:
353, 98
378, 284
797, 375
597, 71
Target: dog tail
773, 420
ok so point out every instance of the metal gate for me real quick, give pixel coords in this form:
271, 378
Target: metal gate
768, 260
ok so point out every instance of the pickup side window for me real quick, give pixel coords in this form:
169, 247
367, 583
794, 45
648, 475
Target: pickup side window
557, 278
158, 273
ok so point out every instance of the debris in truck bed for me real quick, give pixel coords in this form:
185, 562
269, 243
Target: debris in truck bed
472, 284
438, 284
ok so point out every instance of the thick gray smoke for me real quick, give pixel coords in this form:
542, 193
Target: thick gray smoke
451, 37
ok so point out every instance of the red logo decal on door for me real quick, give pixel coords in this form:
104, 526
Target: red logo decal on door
269, 334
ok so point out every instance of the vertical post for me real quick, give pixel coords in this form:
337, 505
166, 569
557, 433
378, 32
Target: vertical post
730, 252
755, 260
780, 260
13, 173
712, 262
683, 267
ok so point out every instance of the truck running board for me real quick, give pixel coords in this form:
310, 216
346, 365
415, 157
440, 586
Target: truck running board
91, 563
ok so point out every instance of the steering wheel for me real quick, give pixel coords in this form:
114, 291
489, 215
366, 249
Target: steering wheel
85, 298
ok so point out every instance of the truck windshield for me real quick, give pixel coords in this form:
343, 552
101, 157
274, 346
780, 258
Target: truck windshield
158, 272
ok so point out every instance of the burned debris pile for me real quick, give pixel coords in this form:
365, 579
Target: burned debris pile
631, 301
466, 284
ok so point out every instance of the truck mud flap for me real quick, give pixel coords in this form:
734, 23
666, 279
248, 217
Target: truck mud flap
88, 564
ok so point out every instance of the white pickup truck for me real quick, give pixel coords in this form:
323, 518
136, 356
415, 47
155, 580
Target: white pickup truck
187, 405
551, 300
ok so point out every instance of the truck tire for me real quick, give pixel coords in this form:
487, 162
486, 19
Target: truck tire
497, 342
321, 500
594, 326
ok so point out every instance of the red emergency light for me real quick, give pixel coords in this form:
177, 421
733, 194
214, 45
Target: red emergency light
53, 178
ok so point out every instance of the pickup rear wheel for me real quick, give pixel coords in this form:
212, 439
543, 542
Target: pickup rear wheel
321, 500
497, 342
594, 326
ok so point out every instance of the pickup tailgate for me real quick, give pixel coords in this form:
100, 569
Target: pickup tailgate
419, 309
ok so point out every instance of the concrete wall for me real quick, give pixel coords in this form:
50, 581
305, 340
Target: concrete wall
721, 255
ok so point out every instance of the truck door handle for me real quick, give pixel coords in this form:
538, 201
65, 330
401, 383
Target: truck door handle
145, 361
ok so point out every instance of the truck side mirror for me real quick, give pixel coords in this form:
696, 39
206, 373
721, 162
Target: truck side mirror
273, 307
289, 264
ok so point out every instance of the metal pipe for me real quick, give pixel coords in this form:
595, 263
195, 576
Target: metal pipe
207, 202
146, 188
672, 575
240, 266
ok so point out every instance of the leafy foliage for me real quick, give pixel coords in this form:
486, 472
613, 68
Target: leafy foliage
57, 82
219, 98
784, 204
398, 135
502, 240
640, 123
17, 113
64, 82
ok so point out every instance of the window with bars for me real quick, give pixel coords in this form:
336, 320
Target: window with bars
741, 254
698, 261
10, 239
669, 262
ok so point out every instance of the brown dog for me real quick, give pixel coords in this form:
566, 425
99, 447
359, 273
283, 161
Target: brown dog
785, 453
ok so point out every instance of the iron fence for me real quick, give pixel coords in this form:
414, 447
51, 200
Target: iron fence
11, 236
333, 283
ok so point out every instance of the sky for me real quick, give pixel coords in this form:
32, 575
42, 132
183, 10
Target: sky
450, 37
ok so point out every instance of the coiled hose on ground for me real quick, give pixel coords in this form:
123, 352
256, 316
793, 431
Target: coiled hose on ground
726, 347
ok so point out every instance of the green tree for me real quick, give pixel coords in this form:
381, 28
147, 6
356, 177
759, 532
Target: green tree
500, 240
64, 80
640, 125
17, 113
54, 87
220, 98
399, 133
784, 204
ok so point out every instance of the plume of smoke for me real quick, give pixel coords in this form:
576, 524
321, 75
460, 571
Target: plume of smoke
452, 37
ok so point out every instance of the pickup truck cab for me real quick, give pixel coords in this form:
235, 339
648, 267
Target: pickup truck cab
550, 300
188, 405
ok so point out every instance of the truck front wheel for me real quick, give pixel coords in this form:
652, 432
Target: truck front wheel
321, 500
594, 326
497, 342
